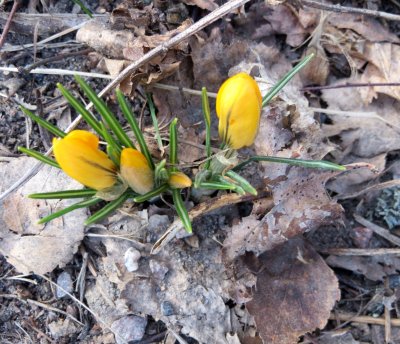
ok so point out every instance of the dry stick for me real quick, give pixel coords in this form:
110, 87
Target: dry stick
163, 48
376, 187
362, 319
345, 9
350, 85
8, 22
384, 233
361, 251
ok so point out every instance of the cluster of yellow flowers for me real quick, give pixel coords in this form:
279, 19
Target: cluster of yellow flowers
238, 108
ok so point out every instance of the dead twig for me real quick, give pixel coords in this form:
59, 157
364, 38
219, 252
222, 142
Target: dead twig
8, 22
384, 233
345, 9
361, 251
202, 209
350, 85
363, 319
163, 48
376, 187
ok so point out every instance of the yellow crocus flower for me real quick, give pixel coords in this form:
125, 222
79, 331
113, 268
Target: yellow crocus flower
136, 172
79, 156
239, 104
179, 180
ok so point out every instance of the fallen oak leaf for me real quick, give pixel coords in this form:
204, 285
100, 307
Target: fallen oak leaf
294, 294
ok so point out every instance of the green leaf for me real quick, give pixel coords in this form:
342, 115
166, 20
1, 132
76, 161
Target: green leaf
173, 145
126, 110
84, 204
83, 8
105, 112
181, 210
83, 193
151, 194
155, 122
243, 183
113, 149
32, 153
43, 123
108, 209
327, 165
80, 108
236, 188
207, 120
281, 83
213, 185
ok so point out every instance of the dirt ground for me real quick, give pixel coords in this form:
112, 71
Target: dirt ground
313, 258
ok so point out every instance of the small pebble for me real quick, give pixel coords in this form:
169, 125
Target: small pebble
158, 269
132, 257
64, 280
129, 328
167, 308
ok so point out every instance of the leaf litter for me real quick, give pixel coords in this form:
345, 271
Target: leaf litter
196, 286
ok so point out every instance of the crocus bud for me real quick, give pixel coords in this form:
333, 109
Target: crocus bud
179, 180
79, 156
136, 172
239, 104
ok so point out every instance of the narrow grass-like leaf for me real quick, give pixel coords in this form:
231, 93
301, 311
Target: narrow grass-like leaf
155, 122
80, 108
84, 204
207, 120
83, 8
236, 188
244, 184
65, 194
43, 123
151, 194
215, 186
282, 82
327, 165
105, 112
113, 148
173, 145
109, 208
38, 156
129, 116
181, 210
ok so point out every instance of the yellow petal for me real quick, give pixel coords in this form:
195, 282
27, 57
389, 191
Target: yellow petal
136, 171
179, 180
238, 108
79, 157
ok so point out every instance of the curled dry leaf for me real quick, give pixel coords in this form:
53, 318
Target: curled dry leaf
375, 268
365, 130
209, 5
294, 294
383, 67
301, 205
28, 246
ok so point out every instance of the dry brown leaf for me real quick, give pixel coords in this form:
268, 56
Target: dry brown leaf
362, 134
375, 268
301, 205
295, 292
31, 247
281, 19
369, 28
383, 67
124, 44
209, 5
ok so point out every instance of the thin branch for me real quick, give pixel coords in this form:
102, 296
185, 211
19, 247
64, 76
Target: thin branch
161, 49
361, 251
363, 319
345, 9
350, 85
8, 22
382, 232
